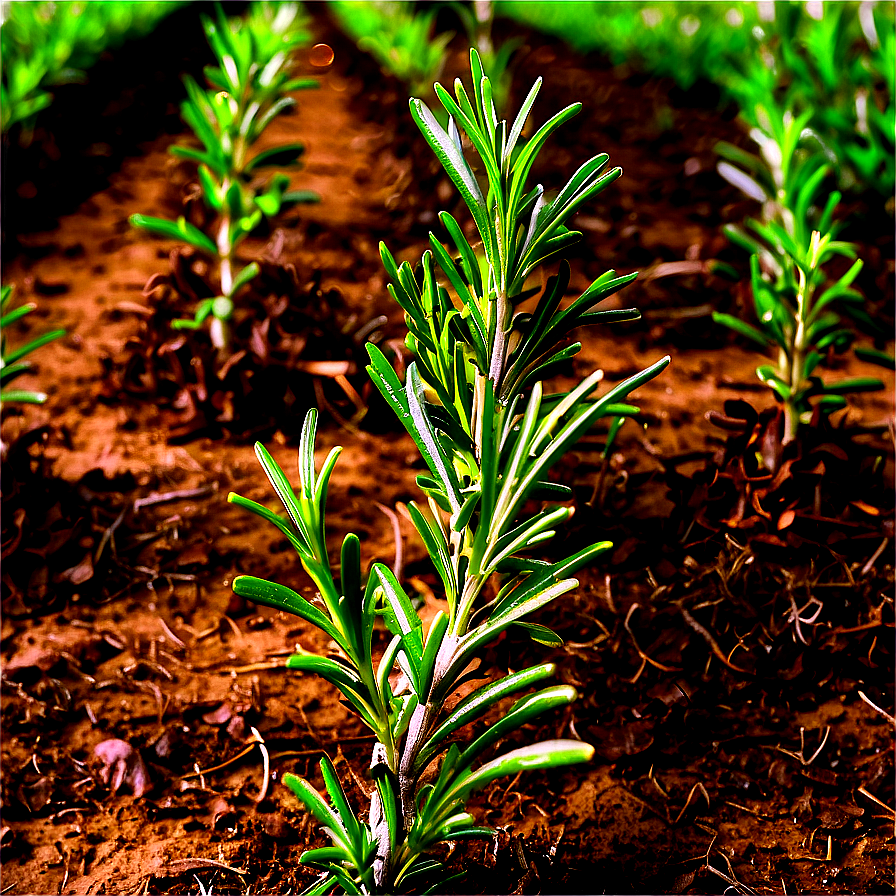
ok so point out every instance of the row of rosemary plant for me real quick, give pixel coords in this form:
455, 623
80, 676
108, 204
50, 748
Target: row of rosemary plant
475, 405
248, 89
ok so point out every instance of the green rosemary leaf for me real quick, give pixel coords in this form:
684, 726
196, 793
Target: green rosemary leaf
248, 273
521, 713
437, 548
36, 343
856, 384
273, 594
284, 491
342, 677
402, 619
454, 163
523, 163
390, 808
547, 754
317, 806
296, 538
435, 456
770, 377
873, 356
434, 640
349, 821
23, 396
518, 124
541, 634
735, 323
479, 701
468, 256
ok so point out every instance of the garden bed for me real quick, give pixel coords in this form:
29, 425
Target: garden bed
727, 681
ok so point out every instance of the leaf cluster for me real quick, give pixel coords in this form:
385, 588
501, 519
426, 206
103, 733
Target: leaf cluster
682, 40
12, 361
347, 612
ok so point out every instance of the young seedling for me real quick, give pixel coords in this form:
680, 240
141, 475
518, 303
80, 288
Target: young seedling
12, 364
249, 89
798, 308
475, 405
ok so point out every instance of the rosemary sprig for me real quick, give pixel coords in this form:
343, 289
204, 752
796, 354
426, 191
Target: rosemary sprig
474, 404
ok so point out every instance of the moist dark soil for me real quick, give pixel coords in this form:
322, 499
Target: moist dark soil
733, 652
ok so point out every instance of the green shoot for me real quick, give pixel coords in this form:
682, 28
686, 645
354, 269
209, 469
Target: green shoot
248, 89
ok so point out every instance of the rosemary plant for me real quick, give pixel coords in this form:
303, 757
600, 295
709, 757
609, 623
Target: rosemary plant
799, 307
474, 404
249, 88
12, 364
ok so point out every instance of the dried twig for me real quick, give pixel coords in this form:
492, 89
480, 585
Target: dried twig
182, 494
255, 740
874, 799
875, 707
266, 760
801, 756
167, 629
697, 787
873, 558
717, 651
644, 657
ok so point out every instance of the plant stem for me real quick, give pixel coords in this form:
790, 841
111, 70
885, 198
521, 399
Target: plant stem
791, 411
499, 351
220, 328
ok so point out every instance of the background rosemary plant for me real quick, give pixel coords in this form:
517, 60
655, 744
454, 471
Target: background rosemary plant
474, 404
248, 89
800, 308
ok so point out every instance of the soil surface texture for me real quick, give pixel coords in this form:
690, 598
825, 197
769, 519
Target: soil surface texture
733, 652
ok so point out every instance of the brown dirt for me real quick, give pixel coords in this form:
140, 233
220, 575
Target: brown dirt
729, 752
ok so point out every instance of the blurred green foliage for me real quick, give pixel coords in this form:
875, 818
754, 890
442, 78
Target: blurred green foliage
840, 68
404, 39
44, 45
835, 60
686, 41
401, 38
